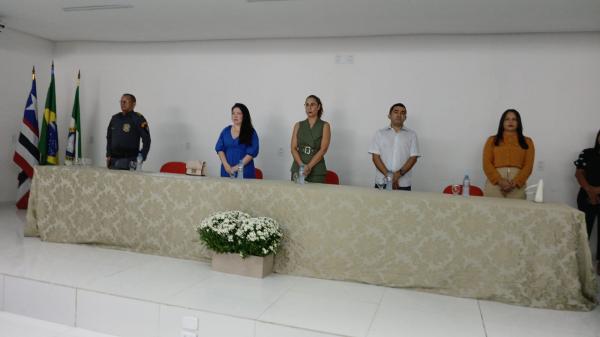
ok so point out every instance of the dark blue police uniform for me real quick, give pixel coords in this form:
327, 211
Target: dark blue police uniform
123, 139
589, 162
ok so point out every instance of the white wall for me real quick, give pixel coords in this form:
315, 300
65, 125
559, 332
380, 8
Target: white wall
18, 54
455, 88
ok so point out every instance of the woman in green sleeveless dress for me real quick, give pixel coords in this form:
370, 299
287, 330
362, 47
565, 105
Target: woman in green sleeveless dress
310, 140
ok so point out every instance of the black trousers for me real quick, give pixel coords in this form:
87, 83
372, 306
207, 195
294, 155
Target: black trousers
407, 188
592, 212
121, 163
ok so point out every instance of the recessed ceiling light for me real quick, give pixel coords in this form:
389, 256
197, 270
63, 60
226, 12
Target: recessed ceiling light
94, 8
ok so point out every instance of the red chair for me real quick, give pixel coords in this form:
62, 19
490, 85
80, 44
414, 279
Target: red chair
173, 167
258, 173
473, 190
332, 178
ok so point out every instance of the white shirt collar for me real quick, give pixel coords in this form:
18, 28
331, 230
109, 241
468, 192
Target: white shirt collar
403, 128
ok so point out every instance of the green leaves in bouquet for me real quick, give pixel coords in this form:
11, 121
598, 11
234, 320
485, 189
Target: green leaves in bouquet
216, 242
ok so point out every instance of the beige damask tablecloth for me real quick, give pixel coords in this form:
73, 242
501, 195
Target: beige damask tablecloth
503, 250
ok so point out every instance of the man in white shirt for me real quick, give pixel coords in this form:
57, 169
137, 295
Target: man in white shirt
395, 150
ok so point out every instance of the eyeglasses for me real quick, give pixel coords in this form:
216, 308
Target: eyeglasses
310, 104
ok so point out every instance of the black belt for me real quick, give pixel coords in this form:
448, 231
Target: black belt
307, 150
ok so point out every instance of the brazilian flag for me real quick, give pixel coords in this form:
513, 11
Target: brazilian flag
49, 136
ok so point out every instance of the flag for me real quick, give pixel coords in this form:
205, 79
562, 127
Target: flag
26, 151
49, 136
74, 139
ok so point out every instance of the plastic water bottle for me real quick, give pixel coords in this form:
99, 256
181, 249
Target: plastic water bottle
301, 175
240, 174
388, 181
466, 186
140, 160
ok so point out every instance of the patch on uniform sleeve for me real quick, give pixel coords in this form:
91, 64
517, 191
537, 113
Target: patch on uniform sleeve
144, 125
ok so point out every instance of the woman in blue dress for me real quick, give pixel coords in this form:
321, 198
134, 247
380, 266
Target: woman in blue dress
238, 142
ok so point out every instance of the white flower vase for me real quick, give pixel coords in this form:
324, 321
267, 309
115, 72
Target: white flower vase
251, 266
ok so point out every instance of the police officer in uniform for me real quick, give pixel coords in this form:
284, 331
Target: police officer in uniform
123, 136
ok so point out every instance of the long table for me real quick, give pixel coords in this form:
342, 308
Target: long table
511, 251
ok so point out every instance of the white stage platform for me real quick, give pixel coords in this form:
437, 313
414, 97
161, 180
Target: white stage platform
12, 325
128, 294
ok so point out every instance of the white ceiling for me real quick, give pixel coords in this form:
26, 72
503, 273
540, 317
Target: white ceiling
180, 20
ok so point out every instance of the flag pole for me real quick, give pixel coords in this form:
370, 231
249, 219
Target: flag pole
78, 134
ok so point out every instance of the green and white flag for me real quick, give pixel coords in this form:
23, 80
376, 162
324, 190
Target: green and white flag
73, 152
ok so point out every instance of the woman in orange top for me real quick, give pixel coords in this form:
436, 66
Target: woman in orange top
508, 158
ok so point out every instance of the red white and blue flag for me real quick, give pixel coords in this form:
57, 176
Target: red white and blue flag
26, 152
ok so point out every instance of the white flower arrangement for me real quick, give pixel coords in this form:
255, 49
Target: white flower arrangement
237, 232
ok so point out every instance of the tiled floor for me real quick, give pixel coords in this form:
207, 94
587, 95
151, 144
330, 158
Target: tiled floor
127, 294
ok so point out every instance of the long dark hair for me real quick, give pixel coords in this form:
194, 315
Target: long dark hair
247, 129
320, 112
597, 143
520, 136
